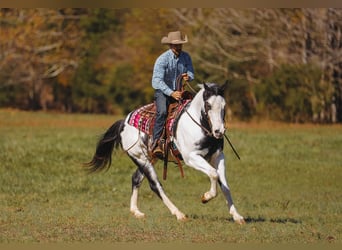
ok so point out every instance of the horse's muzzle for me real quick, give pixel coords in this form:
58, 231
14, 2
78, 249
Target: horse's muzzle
218, 134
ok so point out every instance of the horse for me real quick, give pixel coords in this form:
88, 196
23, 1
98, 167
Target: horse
198, 137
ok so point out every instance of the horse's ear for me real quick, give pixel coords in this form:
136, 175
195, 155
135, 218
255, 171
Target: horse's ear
223, 87
206, 87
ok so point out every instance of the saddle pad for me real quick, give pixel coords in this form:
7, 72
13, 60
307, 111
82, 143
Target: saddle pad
143, 118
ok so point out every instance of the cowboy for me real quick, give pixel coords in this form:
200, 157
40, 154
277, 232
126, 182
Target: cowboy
168, 66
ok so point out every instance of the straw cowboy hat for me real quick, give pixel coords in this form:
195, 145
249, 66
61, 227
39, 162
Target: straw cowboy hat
175, 37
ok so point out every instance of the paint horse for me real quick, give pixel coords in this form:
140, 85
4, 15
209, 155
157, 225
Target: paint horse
198, 136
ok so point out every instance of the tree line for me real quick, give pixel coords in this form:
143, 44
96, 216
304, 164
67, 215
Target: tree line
281, 64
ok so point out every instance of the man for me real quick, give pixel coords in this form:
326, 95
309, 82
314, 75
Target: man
167, 68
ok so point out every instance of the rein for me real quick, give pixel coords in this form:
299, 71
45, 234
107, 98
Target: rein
202, 127
186, 83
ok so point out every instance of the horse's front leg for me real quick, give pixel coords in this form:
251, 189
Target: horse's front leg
219, 161
199, 163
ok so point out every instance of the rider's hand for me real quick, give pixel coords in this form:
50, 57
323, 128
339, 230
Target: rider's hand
177, 95
185, 77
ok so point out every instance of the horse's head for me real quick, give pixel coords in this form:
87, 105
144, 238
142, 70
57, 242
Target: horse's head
213, 110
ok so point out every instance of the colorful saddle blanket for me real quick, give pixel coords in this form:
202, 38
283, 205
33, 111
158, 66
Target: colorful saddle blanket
144, 117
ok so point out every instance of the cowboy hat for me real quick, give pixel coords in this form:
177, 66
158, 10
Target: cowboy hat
174, 37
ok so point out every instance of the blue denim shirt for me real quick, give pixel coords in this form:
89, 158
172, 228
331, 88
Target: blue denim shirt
166, 69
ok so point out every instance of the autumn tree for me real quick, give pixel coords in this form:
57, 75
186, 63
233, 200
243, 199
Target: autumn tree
37, 45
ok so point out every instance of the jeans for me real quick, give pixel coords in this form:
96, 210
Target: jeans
162, 103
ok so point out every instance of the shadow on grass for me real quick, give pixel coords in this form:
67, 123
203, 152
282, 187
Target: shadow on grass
248, 219
272, 220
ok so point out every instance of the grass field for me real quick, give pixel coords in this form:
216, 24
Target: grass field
287, 185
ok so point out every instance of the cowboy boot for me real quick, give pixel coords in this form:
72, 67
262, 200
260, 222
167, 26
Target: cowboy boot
158, 148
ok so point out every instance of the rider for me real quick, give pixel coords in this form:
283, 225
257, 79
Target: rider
167, 68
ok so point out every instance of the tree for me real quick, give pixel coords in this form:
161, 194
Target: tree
292, 93
36, 46
90, 91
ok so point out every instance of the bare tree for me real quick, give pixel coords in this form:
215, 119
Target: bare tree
255, 38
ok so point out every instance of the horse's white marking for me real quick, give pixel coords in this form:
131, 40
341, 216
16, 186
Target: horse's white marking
134, 204
216, 115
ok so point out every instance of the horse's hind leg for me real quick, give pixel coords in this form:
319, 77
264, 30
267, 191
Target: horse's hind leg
147, 169
137, 179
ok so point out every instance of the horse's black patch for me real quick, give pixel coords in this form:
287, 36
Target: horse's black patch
212, 144
147, 171
205, 123
137, 178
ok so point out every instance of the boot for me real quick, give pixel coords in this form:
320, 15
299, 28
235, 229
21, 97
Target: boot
157, 148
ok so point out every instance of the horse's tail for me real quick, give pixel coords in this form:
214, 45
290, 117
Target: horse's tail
102, 158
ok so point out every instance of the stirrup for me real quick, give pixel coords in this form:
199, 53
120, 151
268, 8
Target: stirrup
158, 149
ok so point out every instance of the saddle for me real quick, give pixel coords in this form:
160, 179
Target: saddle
144, 117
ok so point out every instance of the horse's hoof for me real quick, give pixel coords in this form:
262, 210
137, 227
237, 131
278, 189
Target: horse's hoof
240, 221
204, 200
182, 218
138, 214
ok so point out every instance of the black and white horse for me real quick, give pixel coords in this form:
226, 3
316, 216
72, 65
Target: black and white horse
199, 138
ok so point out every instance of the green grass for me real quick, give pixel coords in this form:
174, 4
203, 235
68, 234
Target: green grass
287, 186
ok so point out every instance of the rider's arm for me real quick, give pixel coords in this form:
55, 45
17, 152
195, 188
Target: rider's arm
159, 75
